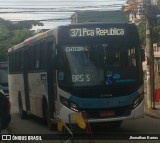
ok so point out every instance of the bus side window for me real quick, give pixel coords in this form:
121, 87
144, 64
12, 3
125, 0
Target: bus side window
13, 62
50, 53
21, 60
31, 53
43, 55
10, 63
37, 56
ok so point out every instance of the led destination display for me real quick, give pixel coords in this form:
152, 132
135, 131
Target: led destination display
92, 32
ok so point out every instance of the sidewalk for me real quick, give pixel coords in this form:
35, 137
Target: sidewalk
154, 113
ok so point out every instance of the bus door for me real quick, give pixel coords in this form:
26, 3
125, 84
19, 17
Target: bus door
25, 76
51, 76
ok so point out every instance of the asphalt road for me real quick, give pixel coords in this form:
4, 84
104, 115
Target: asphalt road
131, 128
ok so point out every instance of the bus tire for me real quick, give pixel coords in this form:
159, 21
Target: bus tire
22, 113
46, 116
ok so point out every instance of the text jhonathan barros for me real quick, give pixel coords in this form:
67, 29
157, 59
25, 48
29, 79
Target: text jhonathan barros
143, 138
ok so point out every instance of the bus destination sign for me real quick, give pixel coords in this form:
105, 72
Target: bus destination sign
96, 32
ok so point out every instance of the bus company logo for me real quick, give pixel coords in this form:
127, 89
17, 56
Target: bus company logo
106, 95
6, 137
76, 49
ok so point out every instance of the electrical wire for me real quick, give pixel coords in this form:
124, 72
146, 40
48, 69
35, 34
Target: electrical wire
63, 9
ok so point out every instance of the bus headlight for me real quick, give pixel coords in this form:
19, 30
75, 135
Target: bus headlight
69, 104
138, 100
73, 107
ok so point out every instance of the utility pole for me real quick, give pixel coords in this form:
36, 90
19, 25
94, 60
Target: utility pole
149, 56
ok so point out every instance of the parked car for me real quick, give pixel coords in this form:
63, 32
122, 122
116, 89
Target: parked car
5, 116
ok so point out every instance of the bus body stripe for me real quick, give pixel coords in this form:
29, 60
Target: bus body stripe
113, 102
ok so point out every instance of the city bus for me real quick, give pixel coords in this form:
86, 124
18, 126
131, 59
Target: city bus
93, 67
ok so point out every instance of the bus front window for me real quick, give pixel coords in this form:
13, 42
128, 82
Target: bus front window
106, 66
81, 66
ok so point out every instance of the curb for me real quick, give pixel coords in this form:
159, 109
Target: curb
152, 115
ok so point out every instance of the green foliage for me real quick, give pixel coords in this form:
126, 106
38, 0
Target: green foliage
19, 25
142, 31
4, 33
20, 35
155, 24
14, 33
25, 24
3, 52
158, 2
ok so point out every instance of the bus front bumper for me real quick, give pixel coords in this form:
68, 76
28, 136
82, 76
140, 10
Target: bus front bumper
138, 112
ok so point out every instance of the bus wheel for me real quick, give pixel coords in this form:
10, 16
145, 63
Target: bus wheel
22, 113
47, 118
50, 124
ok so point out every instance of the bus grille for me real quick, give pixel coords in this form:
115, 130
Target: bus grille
109, 113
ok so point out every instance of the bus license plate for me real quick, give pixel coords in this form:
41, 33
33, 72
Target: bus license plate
107, 113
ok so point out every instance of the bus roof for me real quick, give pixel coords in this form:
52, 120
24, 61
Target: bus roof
31, 40
51, 32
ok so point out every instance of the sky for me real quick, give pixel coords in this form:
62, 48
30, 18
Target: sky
50, 3
6, 1
52, 12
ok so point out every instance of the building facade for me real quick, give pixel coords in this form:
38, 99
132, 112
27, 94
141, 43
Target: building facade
99, 16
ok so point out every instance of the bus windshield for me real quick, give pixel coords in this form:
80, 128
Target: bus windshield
97, 65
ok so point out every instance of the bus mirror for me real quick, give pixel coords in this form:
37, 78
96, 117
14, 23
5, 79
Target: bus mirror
142, 55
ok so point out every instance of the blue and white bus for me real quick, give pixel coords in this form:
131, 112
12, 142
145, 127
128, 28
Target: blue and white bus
94, 67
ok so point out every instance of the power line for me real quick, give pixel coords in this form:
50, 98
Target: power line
51, 9
61, 10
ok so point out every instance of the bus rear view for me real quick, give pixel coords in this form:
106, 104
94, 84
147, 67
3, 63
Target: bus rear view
100, 72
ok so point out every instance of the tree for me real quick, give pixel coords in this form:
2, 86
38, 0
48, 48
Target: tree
14, 33
20, 35
142, 30
132, 6
153, 10
3, 52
